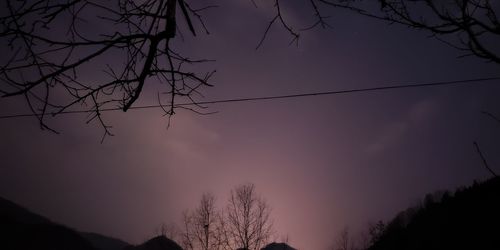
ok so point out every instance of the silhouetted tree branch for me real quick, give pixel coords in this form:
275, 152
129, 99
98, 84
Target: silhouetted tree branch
248, 224
169, 230
58, 45
187, 240
67, 53
344, 241
201, 229
278, 17
470, 26
243, 224
485, 163
492, 116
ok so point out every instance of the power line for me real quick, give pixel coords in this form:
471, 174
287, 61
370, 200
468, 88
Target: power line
276, 97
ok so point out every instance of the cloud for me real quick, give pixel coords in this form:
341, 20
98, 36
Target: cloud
390, 135
394, 132
423, 111
189, 139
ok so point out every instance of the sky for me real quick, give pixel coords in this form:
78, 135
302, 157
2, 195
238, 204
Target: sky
322, 163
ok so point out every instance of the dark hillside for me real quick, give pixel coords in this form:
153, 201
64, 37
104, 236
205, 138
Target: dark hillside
10, 211
22, 229
157, 243
104, 242
467, 219
278, 246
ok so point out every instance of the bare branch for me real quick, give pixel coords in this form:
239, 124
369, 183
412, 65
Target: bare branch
471, 23
52, 71
485, 163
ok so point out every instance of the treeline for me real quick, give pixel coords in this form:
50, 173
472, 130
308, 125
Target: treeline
243, 223
469, 218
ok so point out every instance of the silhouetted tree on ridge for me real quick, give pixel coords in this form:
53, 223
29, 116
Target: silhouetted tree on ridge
468, 219
244, 223
200, 231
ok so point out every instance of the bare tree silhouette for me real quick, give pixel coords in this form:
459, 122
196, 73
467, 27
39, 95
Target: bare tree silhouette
56, 45
243, 224
56, 48
187, 240
169, 230
201, 229
248, 224
470, 26
344, 241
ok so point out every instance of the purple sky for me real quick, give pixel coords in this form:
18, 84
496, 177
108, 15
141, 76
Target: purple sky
322, 163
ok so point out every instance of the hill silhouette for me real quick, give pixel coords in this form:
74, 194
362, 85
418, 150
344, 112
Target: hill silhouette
23, 229
467, 219
278, 246
157, 243
104, 242
9, 211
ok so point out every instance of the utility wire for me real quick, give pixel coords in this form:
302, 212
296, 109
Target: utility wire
276, 97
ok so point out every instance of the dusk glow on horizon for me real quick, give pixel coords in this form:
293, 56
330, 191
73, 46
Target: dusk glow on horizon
321, 163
